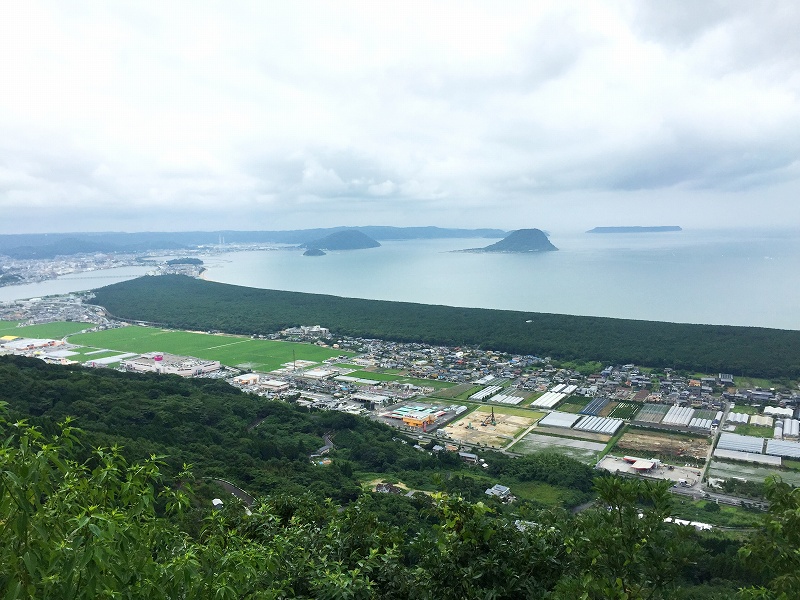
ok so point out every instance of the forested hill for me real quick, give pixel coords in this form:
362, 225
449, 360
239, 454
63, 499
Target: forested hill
184, 302
522, 240
81, 519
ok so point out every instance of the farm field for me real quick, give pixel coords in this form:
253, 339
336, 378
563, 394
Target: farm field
573, 433
570, 406
624, 410
470, 430
754, 430
243, 352
665, 446
55, 330
727, 469
745, 409
582, 450
433, 383
455, 391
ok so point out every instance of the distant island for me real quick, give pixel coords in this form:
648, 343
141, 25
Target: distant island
348, 239
313, 252
521, 241
185, 261
38, 246
635, 229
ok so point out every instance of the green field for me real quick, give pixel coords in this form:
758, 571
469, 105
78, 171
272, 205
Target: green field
433, 383
456, 391
754, 430
625, 410
745, 409
571, 407
55, 330
258, 355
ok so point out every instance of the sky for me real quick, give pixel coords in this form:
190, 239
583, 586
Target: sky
169, 116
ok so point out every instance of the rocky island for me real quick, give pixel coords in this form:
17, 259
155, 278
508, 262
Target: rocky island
313, 252
520, 241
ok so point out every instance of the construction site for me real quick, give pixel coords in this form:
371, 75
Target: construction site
489, 428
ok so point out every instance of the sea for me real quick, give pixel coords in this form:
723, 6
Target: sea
724, 277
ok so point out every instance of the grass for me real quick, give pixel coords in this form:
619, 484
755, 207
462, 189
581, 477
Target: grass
372, 376
745, 409
55, 330
538, 491
793, 465
570, 407
754, 430
625, 410
728, 516
455, 391
260, 355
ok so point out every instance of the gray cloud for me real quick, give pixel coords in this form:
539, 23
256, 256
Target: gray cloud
191, 116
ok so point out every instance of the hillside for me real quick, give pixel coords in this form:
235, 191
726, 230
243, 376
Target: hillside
520, 241
96, 512
349, 239
189, 303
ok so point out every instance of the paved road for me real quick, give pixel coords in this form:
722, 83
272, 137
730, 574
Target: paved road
246, 498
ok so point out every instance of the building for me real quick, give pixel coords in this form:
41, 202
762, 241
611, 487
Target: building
275, 385
170, 364
498, 490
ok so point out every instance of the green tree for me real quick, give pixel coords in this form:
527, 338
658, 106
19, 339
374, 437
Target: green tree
776, 548
623, 549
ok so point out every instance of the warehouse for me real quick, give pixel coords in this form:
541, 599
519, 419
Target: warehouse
170, 364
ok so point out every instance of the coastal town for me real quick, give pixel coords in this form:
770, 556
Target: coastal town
707, 433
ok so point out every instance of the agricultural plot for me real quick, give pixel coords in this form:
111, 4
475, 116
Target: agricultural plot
705, 414
624, 410
477, 429
594, 407
572, 407
394, 377
259, 355
582, 450
726, 470
55, 330
665, 446
456, 391
652, 413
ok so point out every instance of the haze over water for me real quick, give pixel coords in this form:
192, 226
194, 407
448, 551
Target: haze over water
727, 277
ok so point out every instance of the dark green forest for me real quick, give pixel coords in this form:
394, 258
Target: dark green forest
183, 302
261, 445
105, 505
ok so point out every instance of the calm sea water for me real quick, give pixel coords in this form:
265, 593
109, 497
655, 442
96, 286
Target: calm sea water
74, 282
721, 277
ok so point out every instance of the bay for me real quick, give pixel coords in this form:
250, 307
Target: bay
74, 282
723, 277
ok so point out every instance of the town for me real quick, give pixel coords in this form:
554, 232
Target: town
708, 434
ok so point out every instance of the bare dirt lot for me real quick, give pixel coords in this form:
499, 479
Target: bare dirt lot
471, 430
663, 445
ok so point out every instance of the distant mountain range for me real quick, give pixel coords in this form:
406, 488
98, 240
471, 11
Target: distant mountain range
636, 229
50, 245
520, 241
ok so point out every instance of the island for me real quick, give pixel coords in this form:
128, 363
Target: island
347, 239
313, 252
635, 229
522, 241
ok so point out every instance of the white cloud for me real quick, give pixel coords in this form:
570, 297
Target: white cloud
448, 113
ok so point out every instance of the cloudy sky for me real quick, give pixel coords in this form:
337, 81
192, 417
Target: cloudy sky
277, 115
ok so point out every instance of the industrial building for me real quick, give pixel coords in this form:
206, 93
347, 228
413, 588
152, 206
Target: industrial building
170, 364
